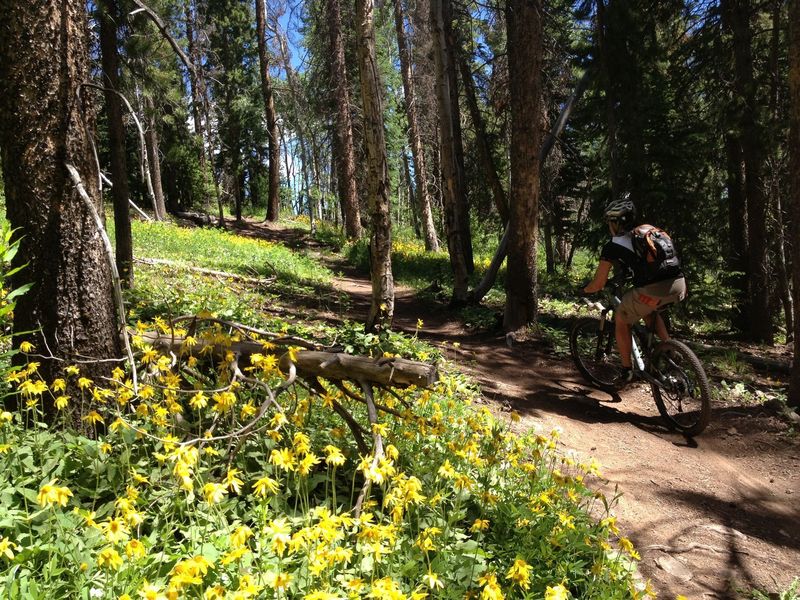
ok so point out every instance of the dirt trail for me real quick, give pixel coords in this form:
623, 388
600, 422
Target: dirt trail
711, 517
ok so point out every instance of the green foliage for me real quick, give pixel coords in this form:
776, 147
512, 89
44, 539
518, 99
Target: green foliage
197, 484
740, 394
354, 340
790, 593
9, 245
211, 248
330, 235
134, 508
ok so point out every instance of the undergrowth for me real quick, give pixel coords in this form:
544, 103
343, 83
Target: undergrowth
217, 474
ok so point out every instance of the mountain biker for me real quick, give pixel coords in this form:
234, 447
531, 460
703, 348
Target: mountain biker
650, 292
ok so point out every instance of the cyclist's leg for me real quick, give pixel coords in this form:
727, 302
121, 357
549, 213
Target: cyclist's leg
665, 292
629, 311
655, 322
624, 341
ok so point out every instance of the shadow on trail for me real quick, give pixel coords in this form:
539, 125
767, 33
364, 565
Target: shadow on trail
753, 515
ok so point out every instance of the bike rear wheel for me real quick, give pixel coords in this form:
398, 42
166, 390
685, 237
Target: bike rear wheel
685, 400
592, 345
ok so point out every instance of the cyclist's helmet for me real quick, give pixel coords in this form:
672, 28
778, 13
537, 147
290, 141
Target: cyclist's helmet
621, 211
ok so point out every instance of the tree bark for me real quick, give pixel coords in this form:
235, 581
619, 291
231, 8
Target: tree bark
153, 159
615, 178
109, 15
273, 197
423, 195
737, 223
452, 186
481, 141
70, 310
776, 189
737, 14
524, 26
794, 171
457, 140
200, 109
382, 308
306, 159
343, 127
486, 283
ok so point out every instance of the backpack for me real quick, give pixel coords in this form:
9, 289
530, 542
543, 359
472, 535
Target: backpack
656, 250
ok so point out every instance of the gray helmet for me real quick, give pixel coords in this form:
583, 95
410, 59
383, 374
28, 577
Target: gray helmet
621, 210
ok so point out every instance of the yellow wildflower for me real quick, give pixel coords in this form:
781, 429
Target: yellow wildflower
108, 558
135, 549
7, 548
214, 492
264, 486
558, 592
115, 530
520, 573
232, 481
479, 525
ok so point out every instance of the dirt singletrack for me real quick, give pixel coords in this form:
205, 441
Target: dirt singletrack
712, 517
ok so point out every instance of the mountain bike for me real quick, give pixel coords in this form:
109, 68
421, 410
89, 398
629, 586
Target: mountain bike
676, 376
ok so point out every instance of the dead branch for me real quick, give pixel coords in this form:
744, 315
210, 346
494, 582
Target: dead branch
153, 16
690, 547
355, 427
336, 367
377, 439
84, 195
143, 152
358, 398
400, 373
226, 274
277, 339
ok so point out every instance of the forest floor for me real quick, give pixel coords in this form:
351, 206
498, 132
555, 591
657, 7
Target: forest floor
712, 517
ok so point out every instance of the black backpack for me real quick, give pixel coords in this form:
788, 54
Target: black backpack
657, 251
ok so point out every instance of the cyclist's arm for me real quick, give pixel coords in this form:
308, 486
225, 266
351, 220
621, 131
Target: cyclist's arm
600, 277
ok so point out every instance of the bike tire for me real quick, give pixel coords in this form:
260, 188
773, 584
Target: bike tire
593, 348
685, 404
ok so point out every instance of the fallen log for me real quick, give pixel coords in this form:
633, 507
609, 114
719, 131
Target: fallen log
226, 274
196, 218
386, 372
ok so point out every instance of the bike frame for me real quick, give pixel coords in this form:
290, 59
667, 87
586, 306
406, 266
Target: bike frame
638, 363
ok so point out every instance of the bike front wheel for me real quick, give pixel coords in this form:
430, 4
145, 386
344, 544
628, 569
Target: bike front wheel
592, 345
684, 401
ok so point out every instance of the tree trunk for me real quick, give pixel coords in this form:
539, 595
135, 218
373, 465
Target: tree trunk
153, 159
273, 197
382, 309
306, 159
343, 127
794, 174
109, 15
414, 213
737, 13
414, 137
775, 187
524, 26
452, 186
197, 85
486, 283
737, 222
611, 118
481, 141
457, 138
70, 311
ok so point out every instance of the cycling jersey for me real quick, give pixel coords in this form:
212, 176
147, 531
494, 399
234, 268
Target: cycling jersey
619, 249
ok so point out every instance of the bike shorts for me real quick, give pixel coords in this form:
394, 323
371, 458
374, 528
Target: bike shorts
640, 302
